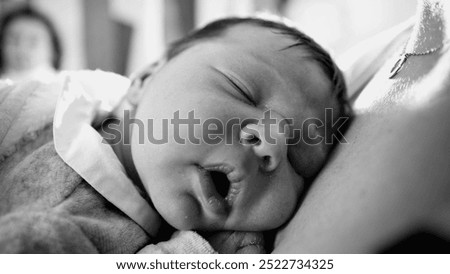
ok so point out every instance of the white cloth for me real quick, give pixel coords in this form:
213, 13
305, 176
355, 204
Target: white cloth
85, 95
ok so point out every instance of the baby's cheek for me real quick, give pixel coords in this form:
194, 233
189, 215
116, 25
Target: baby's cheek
291, 188
307, 159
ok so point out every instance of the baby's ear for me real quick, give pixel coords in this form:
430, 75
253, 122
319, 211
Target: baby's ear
135, 92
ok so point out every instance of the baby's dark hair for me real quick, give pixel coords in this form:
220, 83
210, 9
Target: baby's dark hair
28, 12
316, 53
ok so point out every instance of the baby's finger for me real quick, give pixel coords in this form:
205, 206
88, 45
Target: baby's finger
251, 243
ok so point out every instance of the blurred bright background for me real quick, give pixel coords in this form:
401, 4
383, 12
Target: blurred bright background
125, 35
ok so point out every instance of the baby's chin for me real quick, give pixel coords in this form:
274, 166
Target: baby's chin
186, 213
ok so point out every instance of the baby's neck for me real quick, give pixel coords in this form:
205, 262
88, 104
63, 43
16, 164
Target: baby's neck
432, 29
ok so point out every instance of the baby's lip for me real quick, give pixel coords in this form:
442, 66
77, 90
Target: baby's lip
210, 197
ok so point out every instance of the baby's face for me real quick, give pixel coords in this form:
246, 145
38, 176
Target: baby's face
250, 184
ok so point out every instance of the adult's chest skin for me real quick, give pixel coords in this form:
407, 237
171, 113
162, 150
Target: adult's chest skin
391, 177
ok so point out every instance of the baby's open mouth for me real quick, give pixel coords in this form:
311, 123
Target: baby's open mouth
218, 188
225, 185
221, 183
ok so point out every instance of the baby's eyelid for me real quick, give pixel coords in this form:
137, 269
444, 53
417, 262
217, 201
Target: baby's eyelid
239, 86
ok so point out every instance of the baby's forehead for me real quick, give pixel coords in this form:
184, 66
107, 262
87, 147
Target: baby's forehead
276, 62
246, 43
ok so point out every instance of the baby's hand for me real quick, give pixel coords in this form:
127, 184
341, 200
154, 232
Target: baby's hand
237, 242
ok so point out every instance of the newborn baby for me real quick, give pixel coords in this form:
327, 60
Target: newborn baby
257, 92
222, 139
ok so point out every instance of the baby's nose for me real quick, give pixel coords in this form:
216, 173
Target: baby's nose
268, 142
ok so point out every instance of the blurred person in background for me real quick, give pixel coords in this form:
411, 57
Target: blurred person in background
29, 46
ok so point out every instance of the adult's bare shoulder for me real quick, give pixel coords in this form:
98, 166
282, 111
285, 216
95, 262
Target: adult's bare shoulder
390, 178
433, 92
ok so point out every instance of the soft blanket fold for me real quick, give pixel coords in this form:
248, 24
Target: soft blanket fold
45, 207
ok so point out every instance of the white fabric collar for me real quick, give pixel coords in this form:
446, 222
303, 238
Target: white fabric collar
85, 94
